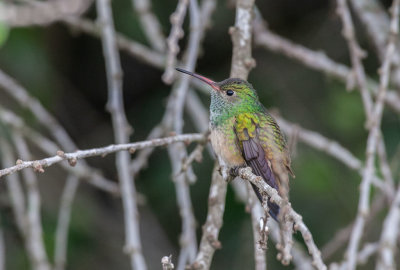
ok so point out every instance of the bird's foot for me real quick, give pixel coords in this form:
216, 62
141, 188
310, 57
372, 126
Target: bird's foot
234, 171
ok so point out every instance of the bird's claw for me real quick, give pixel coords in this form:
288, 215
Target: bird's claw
234, 171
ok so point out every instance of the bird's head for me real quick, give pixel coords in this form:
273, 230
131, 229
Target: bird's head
230, 95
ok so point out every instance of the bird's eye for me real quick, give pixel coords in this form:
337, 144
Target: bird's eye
230, 92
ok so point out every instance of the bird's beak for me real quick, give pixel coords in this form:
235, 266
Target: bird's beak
211, 83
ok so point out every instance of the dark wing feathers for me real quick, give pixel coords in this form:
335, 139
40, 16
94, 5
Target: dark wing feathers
255, 157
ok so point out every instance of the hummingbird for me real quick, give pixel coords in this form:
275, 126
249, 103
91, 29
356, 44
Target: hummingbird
243, 133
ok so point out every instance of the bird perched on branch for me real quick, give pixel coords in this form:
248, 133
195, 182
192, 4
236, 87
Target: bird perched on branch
243, 134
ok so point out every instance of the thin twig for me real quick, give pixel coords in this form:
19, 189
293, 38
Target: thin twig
41, 13
366, 252
384, 165
72, 158
206, 9
64, 216
195, 155
315, 60
260, 230
269, 192
49, 148
176, 33
377, 25
199, 115
22, 96
216, 207
376, 22
34, 235
242, 61
342, 236
356, 54
150, 24
372, 142
390, 233
390, 230
14, 187
19, 209
122, 130
166, 263
142, 157
173, 119
330, 147
131, 47
300, 257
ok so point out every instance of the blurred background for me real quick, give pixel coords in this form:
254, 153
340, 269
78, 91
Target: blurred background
65, 70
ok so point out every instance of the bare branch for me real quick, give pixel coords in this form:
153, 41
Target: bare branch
356, 54
173, 119
150, 24
102, 151
216, 207
390, 230
33, 237
166, 263
260, 230
366, 252
143, 156
21, 95
315, 60
49, 147
330, 147
14, 187
188, 240
176, 33
197, 111
377, 24
389, 236
64, 215
384, 165
242, 61
23, 215
41, 13
131, 47
199, 115
195, 155
342, 236
376, 21
269, 192
372, 142
300, 259
122, 130
206, 9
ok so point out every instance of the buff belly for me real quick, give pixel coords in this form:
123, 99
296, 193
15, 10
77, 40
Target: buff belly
225, 146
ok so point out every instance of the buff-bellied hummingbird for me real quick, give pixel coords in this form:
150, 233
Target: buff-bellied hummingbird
243, 134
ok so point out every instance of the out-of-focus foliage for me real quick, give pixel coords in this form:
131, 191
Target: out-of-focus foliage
3, 33
65, 70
